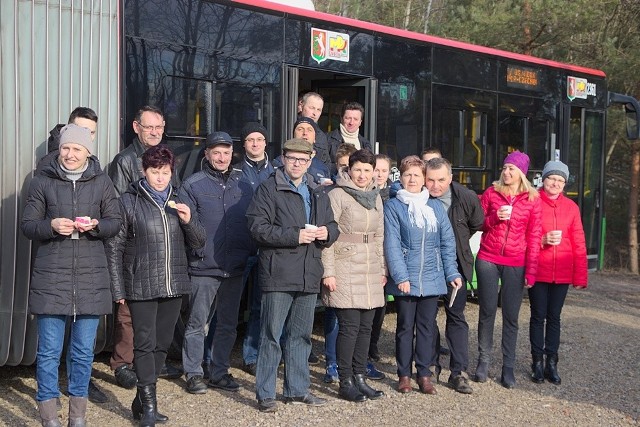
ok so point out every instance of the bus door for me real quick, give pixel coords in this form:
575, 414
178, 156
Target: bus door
336, 89
583, 151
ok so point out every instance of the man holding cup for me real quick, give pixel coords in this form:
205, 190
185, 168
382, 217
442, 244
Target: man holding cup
290, 270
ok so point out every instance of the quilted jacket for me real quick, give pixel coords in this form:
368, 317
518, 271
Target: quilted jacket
516, 241
70, 276
148, 256
565, 263
358, 266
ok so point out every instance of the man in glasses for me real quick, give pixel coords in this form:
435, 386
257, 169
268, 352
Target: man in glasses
125, 168
290, 218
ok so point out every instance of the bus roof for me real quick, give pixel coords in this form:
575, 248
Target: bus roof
383, 29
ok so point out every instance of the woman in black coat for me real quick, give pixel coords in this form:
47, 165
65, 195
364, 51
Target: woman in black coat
71, 209
148, 263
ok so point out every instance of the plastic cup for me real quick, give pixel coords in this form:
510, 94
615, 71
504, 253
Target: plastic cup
507, 208
557, 236
310, 227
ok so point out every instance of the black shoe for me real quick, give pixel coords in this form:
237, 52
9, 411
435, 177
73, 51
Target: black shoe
349, 391
307, 399
126, 377
460, 384
366, 389
551, 369
95, 394
508, 379
170, 372
226, 382
313, 358
537, 369
250, 368
196, 385
267, 405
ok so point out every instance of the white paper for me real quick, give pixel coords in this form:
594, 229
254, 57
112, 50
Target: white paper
453, 296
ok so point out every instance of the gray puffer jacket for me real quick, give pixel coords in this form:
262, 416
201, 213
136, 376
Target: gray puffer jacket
70, 276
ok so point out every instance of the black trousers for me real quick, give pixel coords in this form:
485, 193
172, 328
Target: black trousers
419, 314
546, 300
456, 332
352, 345
153, 325
376, 328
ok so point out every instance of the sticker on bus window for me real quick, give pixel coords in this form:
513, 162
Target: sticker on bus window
579, 88
329, 45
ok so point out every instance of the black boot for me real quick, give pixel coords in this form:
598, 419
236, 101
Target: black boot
537, 374
148, 405
361, 384
551, 369
136, 409
508, 379
349, 391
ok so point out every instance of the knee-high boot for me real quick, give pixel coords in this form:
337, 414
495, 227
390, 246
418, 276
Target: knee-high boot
77, 411
49, 413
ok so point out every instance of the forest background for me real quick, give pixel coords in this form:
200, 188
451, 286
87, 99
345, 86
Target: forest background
603, 34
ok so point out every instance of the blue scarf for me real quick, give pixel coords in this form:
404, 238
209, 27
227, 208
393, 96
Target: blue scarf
160, 197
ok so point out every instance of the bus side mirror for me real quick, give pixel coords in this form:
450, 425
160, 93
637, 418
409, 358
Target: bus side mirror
632, 113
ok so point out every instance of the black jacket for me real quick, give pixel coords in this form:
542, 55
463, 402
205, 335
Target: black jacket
334, 140
148, 256
466, 217
275, 216
220, 202
70, 276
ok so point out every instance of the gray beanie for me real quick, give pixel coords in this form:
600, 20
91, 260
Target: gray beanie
77, 135
555, 167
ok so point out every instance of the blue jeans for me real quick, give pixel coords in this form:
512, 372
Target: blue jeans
294, 311
226, 292
331, 329
251, 341
82, 338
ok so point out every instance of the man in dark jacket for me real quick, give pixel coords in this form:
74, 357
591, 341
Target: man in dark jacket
256, 169
466, 216
124, 169
348, 132
220, 195
291, 219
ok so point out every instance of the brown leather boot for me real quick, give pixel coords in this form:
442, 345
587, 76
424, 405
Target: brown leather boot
77, 411
49, 413
426, 386
404, 384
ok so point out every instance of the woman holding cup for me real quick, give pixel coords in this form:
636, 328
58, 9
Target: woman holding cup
508, 254
562, 261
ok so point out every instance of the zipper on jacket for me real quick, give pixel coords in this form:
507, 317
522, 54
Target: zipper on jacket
424, 232
506, 235
74, 264
167, 236
555, 254
367, 250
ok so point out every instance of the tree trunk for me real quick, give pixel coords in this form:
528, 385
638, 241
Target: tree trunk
526, 7
427, 16
633, 209
407, 14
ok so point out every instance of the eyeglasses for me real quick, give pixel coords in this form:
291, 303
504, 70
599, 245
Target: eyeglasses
148, 128
560, 181
292, 160
254, 140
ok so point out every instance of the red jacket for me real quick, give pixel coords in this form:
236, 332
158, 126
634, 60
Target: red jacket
565, 263
514, 242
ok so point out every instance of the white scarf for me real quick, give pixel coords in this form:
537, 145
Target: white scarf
350, 137
419, 212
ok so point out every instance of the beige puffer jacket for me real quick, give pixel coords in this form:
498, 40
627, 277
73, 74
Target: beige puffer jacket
356, 259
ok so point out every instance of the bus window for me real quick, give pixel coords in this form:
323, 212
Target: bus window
186, 104
462, 136
237, 105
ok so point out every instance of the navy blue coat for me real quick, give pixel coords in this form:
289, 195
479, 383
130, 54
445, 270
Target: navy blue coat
221, 207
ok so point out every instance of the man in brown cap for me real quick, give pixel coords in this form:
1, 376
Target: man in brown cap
290, 218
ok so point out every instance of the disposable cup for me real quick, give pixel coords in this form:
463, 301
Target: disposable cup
507, 208
310, 227
557, 236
